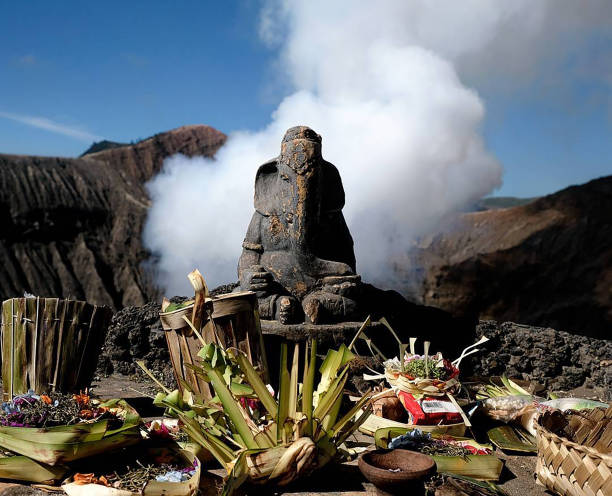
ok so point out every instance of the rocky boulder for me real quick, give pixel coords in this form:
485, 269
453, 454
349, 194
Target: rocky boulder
557, 359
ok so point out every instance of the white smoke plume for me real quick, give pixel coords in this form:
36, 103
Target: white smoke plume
382, 83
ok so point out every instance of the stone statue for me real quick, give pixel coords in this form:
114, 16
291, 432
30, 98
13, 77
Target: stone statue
298, 252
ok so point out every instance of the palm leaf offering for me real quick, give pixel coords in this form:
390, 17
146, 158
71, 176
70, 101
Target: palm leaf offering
264, 438
55, 429
509, 438
452, 454
152, 472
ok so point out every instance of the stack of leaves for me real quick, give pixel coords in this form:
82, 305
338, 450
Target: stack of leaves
260, 438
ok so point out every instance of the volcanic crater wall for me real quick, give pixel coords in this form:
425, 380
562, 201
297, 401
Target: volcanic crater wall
547, 263
72, 227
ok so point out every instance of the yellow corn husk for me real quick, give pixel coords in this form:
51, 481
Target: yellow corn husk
22, 468
153, 488
66, 443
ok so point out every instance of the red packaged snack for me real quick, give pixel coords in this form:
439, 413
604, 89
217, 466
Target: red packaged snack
429, 410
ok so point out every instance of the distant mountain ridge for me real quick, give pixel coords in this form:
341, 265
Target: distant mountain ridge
496, 202
72, 226
99, 146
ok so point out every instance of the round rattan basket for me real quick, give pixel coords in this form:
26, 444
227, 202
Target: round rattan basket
570, 469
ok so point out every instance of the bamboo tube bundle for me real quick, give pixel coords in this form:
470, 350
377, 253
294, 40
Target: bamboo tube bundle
230, 320
50, 344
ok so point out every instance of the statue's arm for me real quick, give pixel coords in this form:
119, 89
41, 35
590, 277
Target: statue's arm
251, 246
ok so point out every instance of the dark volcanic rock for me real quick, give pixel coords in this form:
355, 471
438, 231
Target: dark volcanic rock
558, 359
135, 333
547, 263
72, 227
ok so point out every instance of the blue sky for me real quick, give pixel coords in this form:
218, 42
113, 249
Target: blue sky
127, 70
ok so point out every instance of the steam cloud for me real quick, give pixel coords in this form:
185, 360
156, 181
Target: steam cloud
382, 83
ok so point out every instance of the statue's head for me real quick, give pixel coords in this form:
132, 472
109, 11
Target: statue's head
300, 148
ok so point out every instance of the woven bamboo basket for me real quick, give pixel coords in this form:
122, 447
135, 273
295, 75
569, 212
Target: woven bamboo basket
231, 319
570, 469
422, 386
49, 344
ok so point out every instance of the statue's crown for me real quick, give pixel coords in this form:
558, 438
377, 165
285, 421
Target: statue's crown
301, 132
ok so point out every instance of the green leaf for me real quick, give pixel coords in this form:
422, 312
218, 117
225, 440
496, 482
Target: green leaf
293, 383
253, 378
231, 406
308, 385
508, 438
349, 415
283, 395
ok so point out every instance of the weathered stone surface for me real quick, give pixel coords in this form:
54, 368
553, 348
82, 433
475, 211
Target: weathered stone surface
557, 359
298, 253
72, 227
547, 263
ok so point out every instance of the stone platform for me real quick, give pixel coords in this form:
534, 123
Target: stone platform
327, 335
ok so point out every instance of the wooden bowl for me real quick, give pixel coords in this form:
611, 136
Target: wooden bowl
380, 466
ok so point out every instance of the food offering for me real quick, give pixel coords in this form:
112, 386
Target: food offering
424, 385
155, 472
456, 455
57, 428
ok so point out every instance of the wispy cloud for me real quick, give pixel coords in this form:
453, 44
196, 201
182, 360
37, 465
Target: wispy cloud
54, 127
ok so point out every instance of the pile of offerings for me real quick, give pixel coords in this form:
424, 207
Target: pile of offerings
152, 472
262, 437
457, 455
52, 430
421, 385
32, 410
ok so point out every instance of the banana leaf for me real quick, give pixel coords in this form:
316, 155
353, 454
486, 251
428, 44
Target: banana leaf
479, 467
509, 438
22, 468
66, 443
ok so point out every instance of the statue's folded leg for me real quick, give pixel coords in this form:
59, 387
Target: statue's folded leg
322, 307
283, 308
